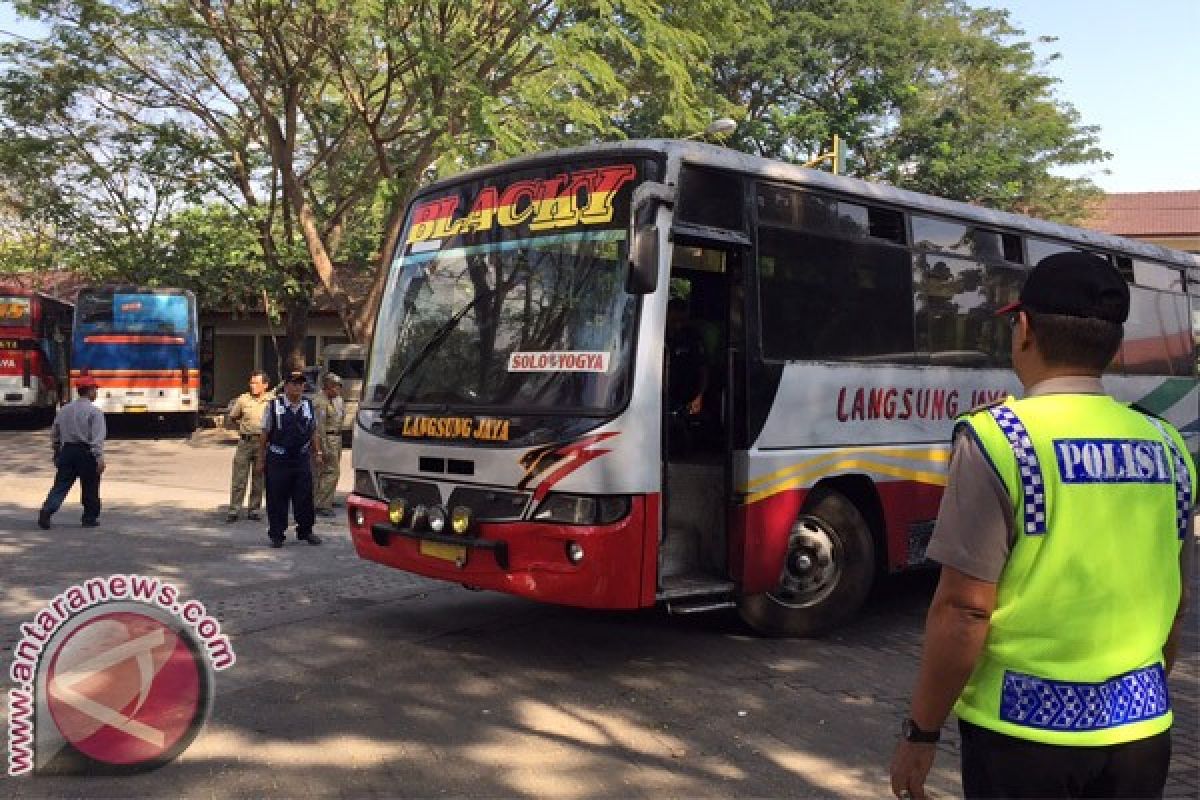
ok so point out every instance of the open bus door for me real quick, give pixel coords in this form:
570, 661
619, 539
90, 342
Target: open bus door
703, 387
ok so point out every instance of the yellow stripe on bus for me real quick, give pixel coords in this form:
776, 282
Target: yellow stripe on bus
816, 469
932, 454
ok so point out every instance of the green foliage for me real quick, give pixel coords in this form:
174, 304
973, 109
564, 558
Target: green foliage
271, 146
931, 95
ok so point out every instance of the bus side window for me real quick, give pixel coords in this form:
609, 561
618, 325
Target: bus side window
1158, 334
827, 298
956, 301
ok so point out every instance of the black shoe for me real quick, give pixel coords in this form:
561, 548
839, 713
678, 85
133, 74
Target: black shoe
43, 520
276, 543
91, 523
253, 515
232, 516
312, 538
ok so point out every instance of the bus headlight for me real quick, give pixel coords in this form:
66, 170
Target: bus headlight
580, 509
437, 519
396, 510
460, 520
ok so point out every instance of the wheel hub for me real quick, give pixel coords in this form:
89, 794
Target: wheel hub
810, 569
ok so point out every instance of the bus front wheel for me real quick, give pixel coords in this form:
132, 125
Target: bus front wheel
826, 574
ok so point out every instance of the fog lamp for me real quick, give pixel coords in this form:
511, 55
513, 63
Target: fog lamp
574, 552
396, 509
460, 519
356, 516
437, 519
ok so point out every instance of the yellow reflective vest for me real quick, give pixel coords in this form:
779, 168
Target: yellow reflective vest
1101, 501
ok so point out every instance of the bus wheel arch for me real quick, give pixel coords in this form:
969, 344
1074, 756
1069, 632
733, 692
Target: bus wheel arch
830, 564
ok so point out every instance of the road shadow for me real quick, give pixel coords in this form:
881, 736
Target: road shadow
360, 681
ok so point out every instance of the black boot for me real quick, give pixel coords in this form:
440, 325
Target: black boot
43, 520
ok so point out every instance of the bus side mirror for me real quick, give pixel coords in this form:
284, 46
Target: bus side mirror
643, 261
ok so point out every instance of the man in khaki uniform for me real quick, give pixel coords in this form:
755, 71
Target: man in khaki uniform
247, 411
330, 410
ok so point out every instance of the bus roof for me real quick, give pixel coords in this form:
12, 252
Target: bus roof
701, 154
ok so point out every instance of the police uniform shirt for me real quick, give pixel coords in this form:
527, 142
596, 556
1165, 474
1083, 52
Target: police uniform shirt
975, 531
249, 410
334, 405
80, 422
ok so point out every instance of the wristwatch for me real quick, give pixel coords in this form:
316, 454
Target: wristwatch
912, 733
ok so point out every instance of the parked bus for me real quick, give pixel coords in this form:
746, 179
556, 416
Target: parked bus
140, 346
521, 429
34, 333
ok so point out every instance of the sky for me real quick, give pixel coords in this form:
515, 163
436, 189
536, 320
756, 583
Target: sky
1132, 67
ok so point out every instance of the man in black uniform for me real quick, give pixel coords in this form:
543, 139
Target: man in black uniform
287, 448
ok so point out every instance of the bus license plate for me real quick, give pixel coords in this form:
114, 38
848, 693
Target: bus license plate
445, 552
136, 409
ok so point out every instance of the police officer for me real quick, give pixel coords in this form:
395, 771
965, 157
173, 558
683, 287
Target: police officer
288, 445
330, 409
247, 411
78, 437
1061, 538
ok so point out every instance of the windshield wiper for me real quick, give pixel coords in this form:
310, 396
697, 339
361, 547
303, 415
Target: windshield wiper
430, 345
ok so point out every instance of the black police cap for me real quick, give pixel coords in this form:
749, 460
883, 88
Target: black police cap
1074, 284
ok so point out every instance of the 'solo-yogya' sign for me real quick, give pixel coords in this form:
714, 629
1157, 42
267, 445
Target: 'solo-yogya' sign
566, 200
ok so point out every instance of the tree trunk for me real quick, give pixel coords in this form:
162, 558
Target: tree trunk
292, 352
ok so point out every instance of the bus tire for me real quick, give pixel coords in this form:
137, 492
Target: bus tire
827, 571
187, 422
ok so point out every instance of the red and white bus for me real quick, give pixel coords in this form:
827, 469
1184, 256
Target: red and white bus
35, 335
523, 429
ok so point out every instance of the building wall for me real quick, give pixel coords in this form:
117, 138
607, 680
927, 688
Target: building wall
232, 348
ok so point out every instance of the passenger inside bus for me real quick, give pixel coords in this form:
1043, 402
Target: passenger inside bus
695, 343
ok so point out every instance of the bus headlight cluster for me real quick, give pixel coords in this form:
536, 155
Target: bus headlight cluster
433, 518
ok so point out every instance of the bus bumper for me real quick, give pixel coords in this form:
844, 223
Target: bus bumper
522, 558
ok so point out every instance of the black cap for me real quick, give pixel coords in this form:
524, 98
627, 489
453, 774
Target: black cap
1074, 284
296, 376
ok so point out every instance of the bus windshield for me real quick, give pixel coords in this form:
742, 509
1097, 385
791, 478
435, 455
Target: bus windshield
134, 313
494, 310
14, 312
547, 324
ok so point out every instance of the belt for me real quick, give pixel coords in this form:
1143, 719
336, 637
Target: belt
76, 444
247, 436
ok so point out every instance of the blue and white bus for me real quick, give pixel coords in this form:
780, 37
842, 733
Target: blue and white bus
140, 347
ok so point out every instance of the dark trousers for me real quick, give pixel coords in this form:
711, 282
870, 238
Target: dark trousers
995, 765
289, 480
75, 461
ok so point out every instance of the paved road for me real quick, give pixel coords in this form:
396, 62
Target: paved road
354, 680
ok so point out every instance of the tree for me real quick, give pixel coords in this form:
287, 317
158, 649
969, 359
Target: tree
317, 115
931, 95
